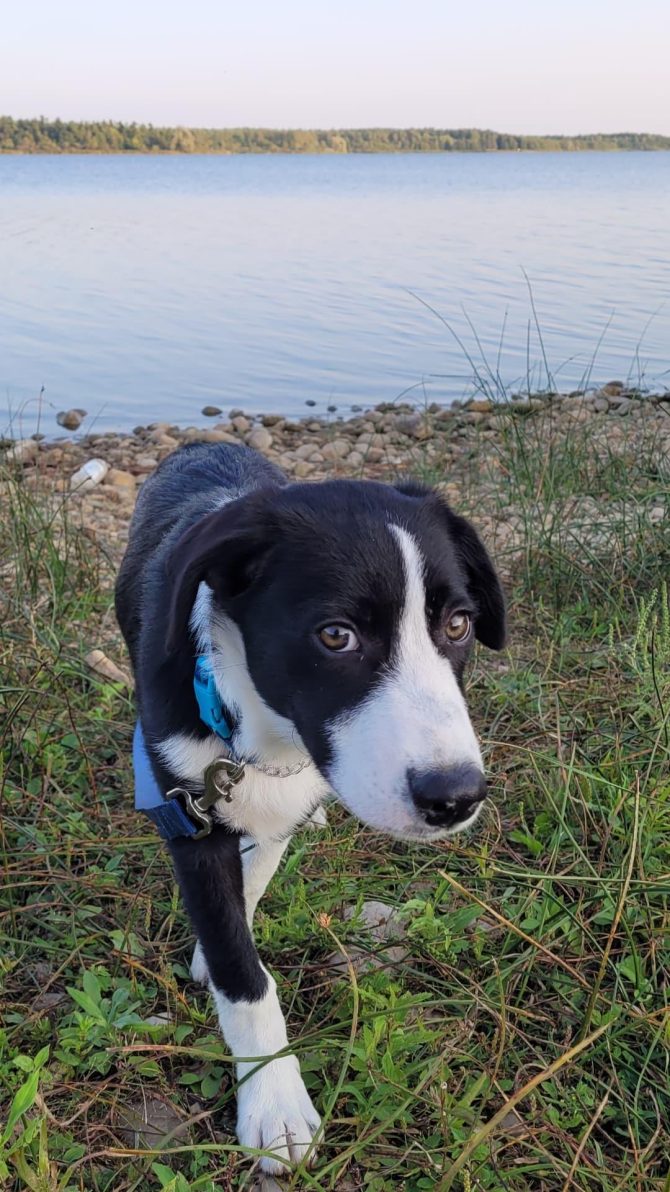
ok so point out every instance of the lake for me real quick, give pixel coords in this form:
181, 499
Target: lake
143, 288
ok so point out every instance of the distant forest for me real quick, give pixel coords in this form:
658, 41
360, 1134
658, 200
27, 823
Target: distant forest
70, 136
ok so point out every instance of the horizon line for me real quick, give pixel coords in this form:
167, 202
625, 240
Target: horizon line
341, 128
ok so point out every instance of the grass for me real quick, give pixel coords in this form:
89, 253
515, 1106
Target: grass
524, 1042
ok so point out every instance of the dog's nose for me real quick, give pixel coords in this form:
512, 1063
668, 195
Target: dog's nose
445, 798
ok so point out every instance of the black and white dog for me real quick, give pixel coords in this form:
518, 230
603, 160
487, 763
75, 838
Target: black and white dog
334, 620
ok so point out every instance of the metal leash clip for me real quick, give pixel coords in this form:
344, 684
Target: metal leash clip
220, 778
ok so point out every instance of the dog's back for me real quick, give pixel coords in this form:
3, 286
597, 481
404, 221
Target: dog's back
185, 486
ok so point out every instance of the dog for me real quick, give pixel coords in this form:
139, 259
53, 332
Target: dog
290, 642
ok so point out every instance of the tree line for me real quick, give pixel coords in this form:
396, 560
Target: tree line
76, 136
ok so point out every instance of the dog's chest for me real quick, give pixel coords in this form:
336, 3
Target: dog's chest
260, 805
264, 806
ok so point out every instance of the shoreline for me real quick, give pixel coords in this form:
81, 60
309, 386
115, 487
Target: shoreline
386, 435
449, 447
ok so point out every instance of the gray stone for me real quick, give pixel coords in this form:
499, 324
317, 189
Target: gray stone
211, 411
150, 1122
338, 967
336, 449
161, 439
216, 436
70, 419
381, 920
23, 450
407, 423
260, 439
613, 388
120, 478
146, 463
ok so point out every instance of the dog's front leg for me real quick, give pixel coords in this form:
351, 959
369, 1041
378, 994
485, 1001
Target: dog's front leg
259, 863
275, 1112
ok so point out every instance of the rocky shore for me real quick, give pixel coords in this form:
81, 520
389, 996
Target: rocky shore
439, 443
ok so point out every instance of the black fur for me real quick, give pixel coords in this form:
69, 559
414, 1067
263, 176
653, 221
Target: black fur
282, 560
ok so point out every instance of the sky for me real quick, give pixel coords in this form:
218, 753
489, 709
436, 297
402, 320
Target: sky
524, 66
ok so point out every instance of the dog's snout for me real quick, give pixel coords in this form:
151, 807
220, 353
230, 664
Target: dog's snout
446, 798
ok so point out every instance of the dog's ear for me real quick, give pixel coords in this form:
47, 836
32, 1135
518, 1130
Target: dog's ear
483, 581
225, 548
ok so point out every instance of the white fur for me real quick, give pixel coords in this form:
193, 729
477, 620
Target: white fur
258, 867
416, 718
274, 1110
199, 971
262, 806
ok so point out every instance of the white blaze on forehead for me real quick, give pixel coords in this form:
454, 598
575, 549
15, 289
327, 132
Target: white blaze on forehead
414, 719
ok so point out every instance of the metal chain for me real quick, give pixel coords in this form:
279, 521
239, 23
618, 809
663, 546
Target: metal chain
282, 771
271, 771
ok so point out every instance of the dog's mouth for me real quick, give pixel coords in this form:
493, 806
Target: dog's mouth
404, 818
425, 832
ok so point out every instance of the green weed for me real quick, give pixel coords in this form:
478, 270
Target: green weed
523, 1042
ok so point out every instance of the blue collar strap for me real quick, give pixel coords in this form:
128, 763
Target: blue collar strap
179, 813
209, 700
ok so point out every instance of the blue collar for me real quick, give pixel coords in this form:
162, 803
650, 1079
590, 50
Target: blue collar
174, 815
209, 700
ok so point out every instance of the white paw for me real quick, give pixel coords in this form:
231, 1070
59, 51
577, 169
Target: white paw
274, 1113
199, 971
318, 819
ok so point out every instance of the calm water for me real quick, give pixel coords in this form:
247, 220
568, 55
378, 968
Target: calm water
146, 287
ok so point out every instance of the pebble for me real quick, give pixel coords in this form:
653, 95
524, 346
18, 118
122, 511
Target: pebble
119, 478
146, 463
70, 419
215, 436
161, 439
260, 439
23, 450
613, 388
336, 449
148, 1120
386, 931
211, 411
240, 423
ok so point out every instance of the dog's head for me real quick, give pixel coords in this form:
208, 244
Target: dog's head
355, 606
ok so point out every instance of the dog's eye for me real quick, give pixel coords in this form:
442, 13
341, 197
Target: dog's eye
339, 638
457, 627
